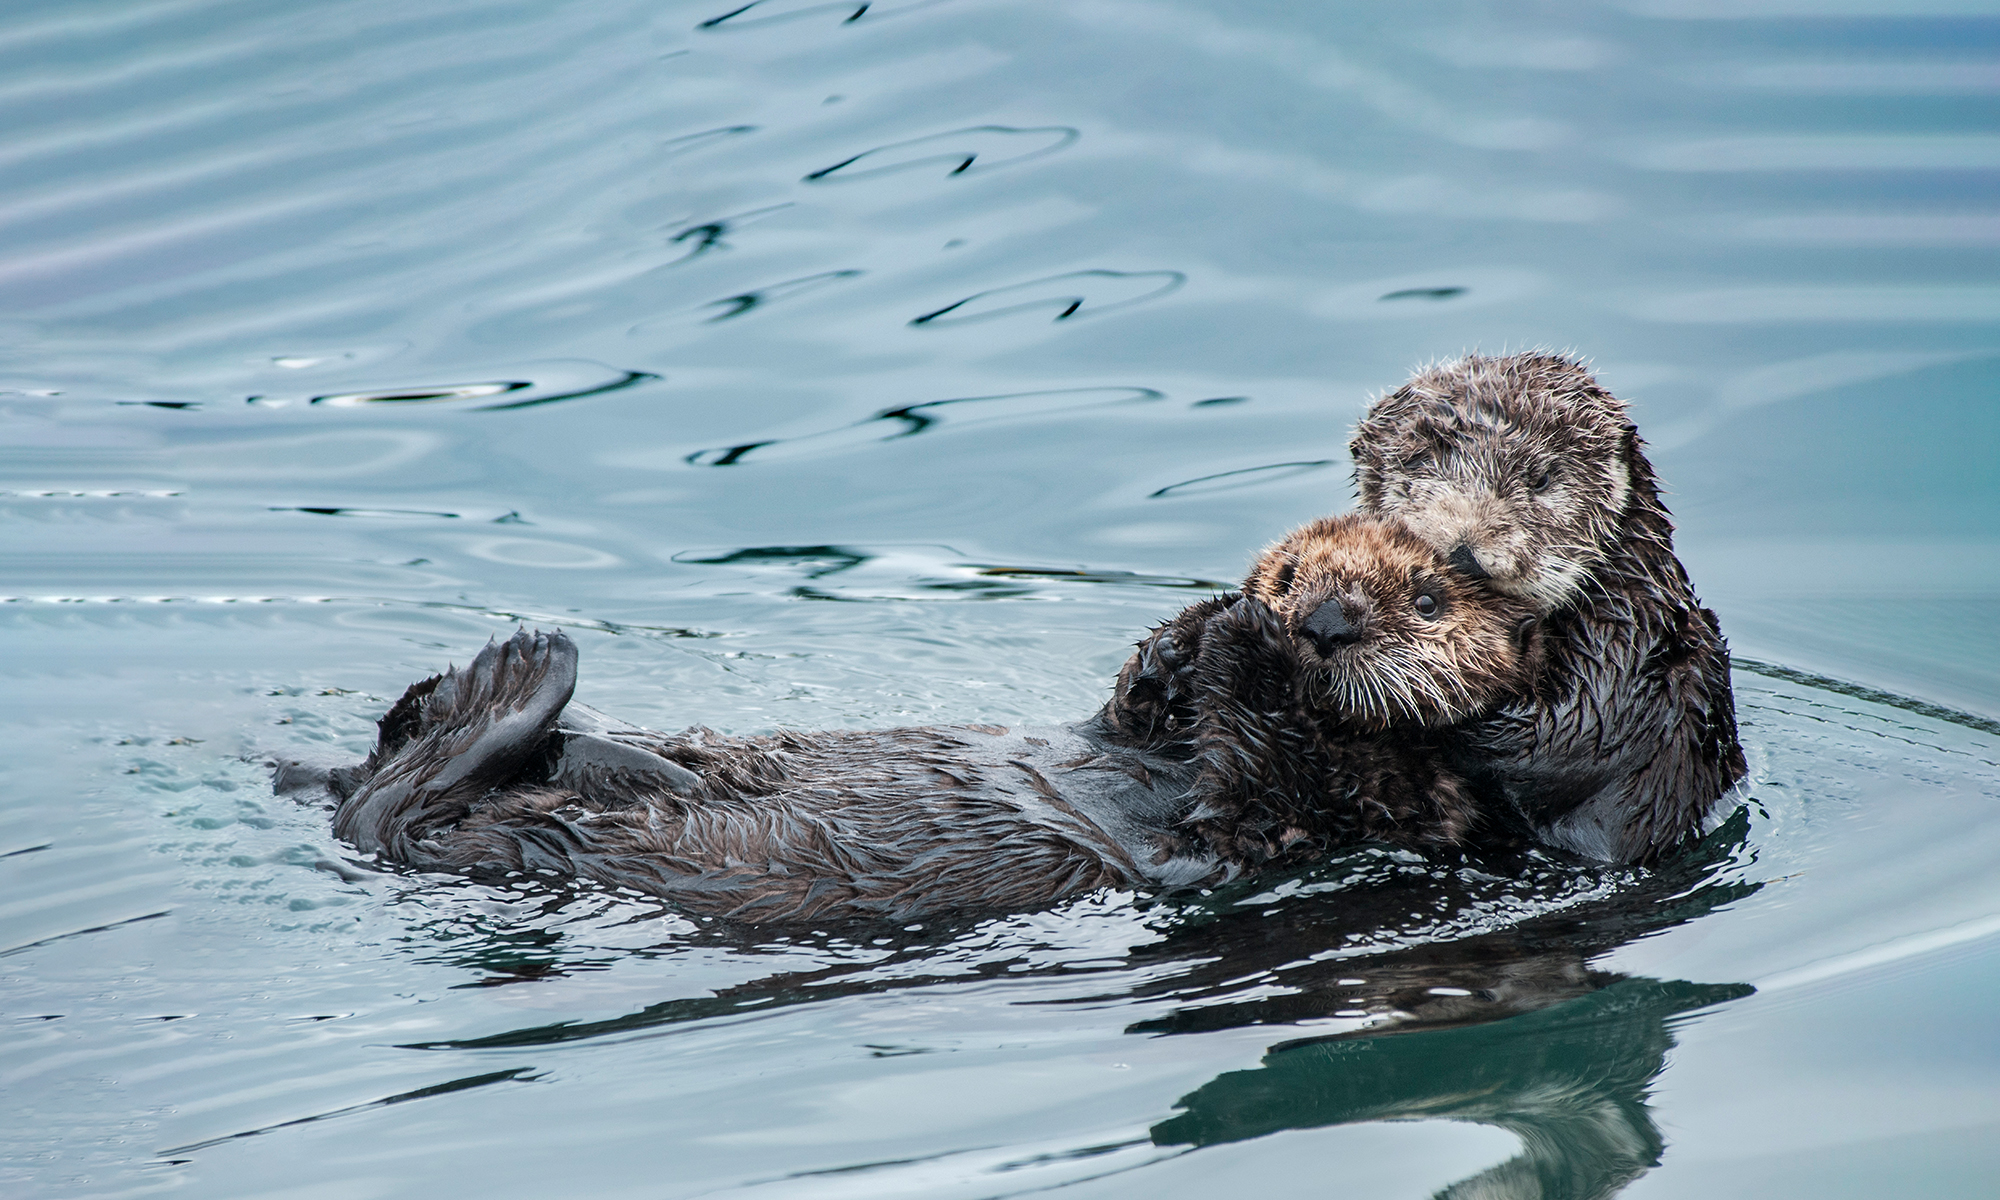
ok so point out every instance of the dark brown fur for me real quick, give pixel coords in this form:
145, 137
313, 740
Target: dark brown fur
1303, 746
1524, 468
483, 769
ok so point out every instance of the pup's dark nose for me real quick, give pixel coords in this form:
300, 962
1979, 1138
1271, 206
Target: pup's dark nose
1328, 627
1464, 563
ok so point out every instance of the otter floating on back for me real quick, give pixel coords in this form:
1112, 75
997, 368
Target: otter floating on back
1303, 715
1525, 472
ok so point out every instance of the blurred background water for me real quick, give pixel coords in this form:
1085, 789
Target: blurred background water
833, 364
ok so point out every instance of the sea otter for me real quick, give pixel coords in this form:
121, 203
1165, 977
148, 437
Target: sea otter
1525, 472
1306, 715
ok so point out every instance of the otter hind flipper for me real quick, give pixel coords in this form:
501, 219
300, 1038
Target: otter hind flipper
604, 768
403, 721
455, 736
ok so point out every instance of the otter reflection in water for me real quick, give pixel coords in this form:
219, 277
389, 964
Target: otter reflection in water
1516, 1027
1298, 717
1570, 1081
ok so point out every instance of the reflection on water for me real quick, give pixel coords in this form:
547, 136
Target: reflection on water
1131, 271
736, 306
912, 419
980, 148
1569, 1081
911, 573
1244, 477
769, 12
1511, 1027
170, 1157
555, 381
1074, 294
1434, 293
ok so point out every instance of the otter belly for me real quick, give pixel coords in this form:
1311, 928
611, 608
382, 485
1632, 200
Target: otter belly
794, 826
491, 769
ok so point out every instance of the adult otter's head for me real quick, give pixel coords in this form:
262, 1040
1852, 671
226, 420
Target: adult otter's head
1389, 629
1521, 470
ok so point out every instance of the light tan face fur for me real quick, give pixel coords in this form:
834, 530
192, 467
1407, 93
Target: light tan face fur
1522, 461
1399, 663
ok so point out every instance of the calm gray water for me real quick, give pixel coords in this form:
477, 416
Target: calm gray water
830, 364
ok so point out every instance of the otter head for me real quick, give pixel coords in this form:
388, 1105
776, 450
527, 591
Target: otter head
1388, 630
1520, 470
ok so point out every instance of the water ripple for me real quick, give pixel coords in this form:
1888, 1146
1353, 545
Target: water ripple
387, 513
1225, 481
892, 424
759, 13
998, 144
705, 237
516, 1074
866, 573
1073, 294
552, 382
738, 305
53, 938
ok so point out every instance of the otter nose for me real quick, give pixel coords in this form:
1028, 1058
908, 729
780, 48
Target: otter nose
1329, 627
1466, 563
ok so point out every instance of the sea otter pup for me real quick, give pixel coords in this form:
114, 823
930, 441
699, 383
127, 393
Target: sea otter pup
1308, 710
1526, 473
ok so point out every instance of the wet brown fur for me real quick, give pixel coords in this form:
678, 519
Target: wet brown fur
1406, 667
1628, 735
1304, 749
1248, 764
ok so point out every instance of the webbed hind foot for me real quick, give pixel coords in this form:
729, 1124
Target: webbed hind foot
453, 736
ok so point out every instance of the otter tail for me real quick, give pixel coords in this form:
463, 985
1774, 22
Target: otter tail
452, 737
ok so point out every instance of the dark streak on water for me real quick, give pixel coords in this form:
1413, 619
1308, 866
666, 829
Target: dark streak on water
423, 1093
1923, 708
75, 933
1073, 294
956, 148
1245, 477
913, 419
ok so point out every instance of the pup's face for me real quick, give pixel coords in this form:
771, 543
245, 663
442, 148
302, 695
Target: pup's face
1391, 632
1516, 469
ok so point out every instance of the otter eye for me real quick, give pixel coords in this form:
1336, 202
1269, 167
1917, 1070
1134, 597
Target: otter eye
1427, 606
1283, 583
1541, 482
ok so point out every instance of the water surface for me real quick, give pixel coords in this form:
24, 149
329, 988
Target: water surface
830, 364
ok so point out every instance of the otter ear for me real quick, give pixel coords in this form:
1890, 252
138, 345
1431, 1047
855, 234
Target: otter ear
1527, 634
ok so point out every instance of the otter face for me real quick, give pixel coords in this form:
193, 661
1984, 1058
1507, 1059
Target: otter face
1388, 629
1518, 470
